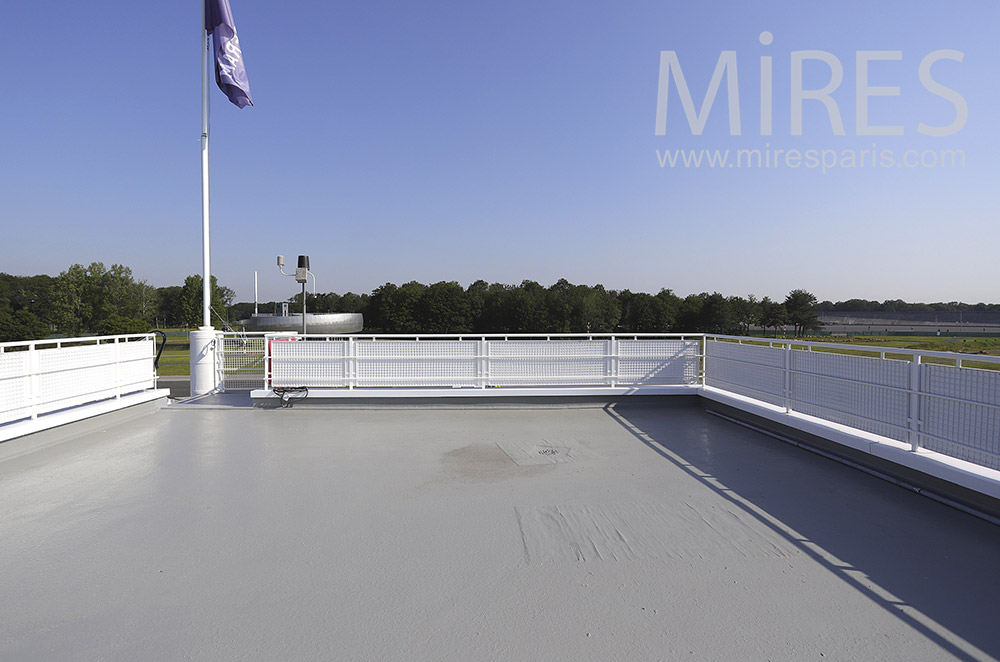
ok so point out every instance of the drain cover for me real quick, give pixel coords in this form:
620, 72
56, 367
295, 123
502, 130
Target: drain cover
542, 451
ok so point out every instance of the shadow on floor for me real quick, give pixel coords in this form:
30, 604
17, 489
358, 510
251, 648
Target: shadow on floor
920, 555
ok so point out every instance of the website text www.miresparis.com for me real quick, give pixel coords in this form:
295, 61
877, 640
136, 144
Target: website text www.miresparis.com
822, 160
825, 107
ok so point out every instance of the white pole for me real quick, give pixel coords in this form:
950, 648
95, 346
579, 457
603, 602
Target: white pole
204, 371
304, 307
255, 292
206, 318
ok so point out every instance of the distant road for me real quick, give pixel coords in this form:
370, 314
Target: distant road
946, 323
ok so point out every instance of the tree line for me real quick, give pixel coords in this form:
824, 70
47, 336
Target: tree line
110, 300
447, 307
99, 300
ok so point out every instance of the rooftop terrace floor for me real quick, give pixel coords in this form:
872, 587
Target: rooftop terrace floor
644, 530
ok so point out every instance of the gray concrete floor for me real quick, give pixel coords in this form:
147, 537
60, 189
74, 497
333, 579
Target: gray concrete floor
633, 532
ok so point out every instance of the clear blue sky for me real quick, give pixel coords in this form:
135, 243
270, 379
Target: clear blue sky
396, 141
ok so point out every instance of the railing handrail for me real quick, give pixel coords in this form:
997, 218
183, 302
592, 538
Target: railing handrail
954, 356
58, 342
480, 336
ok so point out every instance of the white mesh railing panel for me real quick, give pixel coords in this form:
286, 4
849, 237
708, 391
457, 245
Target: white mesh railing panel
661, 362
863, 406
960, 413
549, 362
753, 371
538, 362
308, 363
753, 354
851, 390
861, 369
538, 372
15, 386
73, 375
388, 363
971, 384
548, 348
243, 363
412, 349
389, 373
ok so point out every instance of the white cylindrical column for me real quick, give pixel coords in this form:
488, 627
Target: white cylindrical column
204, 374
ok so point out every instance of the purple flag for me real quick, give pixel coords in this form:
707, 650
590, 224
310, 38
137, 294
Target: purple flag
230, 74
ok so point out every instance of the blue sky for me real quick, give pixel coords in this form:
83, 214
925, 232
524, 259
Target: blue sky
396, 141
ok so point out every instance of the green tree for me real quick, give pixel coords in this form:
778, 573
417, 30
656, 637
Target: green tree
443, 308
119, 325
169, 308
85, 298
671, 308
392, 309
800, 307
643, 313
351, 303
190, 300
529, 311
746, 313
26, 307
605, 312
477, 294
717, 315
772, 314
689, 314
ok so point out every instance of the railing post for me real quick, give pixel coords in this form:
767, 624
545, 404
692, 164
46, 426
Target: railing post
484, 362
268, 381
914, 404
788, 377
613, 360
34, 381
220, 362
351, 369
703, 360
118, 368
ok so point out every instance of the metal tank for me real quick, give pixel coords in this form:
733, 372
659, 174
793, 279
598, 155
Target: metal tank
322, 323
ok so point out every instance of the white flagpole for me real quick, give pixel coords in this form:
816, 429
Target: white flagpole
205, 250
204, 373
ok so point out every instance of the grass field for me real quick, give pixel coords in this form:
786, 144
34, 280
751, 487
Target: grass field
988, 346
980, 346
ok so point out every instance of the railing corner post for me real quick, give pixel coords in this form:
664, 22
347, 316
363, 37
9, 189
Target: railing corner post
119, 377
913, 407
613, 360
788, 377
34, 381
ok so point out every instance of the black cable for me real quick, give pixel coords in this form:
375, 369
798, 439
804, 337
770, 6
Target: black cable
289, 393
163, 343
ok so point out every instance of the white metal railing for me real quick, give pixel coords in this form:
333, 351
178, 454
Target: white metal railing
482, 361
932, 400
241, 361
44, 376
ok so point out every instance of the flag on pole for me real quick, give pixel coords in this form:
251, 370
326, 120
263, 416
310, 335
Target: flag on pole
230, 73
